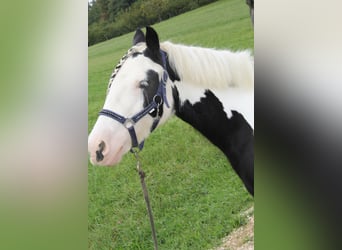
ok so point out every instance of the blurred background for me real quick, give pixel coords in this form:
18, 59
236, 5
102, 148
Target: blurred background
298, 140
43, 135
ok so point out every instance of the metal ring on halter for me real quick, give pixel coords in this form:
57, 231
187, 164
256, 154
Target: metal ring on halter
136, 151
158, 99
129, 123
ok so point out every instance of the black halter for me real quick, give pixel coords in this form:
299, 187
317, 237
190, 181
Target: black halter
157, 101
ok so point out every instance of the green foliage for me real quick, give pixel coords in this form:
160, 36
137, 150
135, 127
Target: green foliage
196, 197
121, 17
94, 13
106, 10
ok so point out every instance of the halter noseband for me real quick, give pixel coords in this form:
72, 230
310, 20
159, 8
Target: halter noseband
158, 100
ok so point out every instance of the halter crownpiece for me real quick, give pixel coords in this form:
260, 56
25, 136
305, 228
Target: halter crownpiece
157, 101
162, 83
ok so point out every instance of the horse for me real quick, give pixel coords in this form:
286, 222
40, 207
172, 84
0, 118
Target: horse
212, 90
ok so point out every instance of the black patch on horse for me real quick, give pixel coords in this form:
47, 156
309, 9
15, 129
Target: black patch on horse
139, 37
153, 47
149, 91
155, 57
233, 136
172, 72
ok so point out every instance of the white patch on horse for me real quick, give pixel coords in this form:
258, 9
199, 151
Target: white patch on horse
238, 100
125, 90
189, 92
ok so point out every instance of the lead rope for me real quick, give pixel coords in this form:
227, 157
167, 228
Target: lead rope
147, 200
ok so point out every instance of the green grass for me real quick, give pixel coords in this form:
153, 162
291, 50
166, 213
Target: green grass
195, 195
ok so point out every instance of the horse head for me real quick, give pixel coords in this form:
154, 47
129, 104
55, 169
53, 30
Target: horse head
139, 98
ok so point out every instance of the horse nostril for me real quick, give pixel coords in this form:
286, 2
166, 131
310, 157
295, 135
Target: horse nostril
99, 155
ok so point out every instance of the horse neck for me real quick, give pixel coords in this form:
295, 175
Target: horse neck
229, 76
222, 111
232, 134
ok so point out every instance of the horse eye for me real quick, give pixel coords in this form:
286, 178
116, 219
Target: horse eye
143, 84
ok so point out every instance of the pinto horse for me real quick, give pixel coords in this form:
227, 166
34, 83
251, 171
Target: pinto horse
212, 90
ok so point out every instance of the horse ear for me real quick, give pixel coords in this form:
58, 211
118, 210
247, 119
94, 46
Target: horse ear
152, 40
139, 37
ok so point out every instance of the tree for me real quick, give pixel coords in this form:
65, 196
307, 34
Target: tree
117, 6
111, 18
94, 12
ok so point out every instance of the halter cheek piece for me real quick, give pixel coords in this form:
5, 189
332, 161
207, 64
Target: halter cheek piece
158, 100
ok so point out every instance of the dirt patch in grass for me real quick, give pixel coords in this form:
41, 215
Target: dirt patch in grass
241, 238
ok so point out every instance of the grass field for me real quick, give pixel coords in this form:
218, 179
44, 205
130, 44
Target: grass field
195, 195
